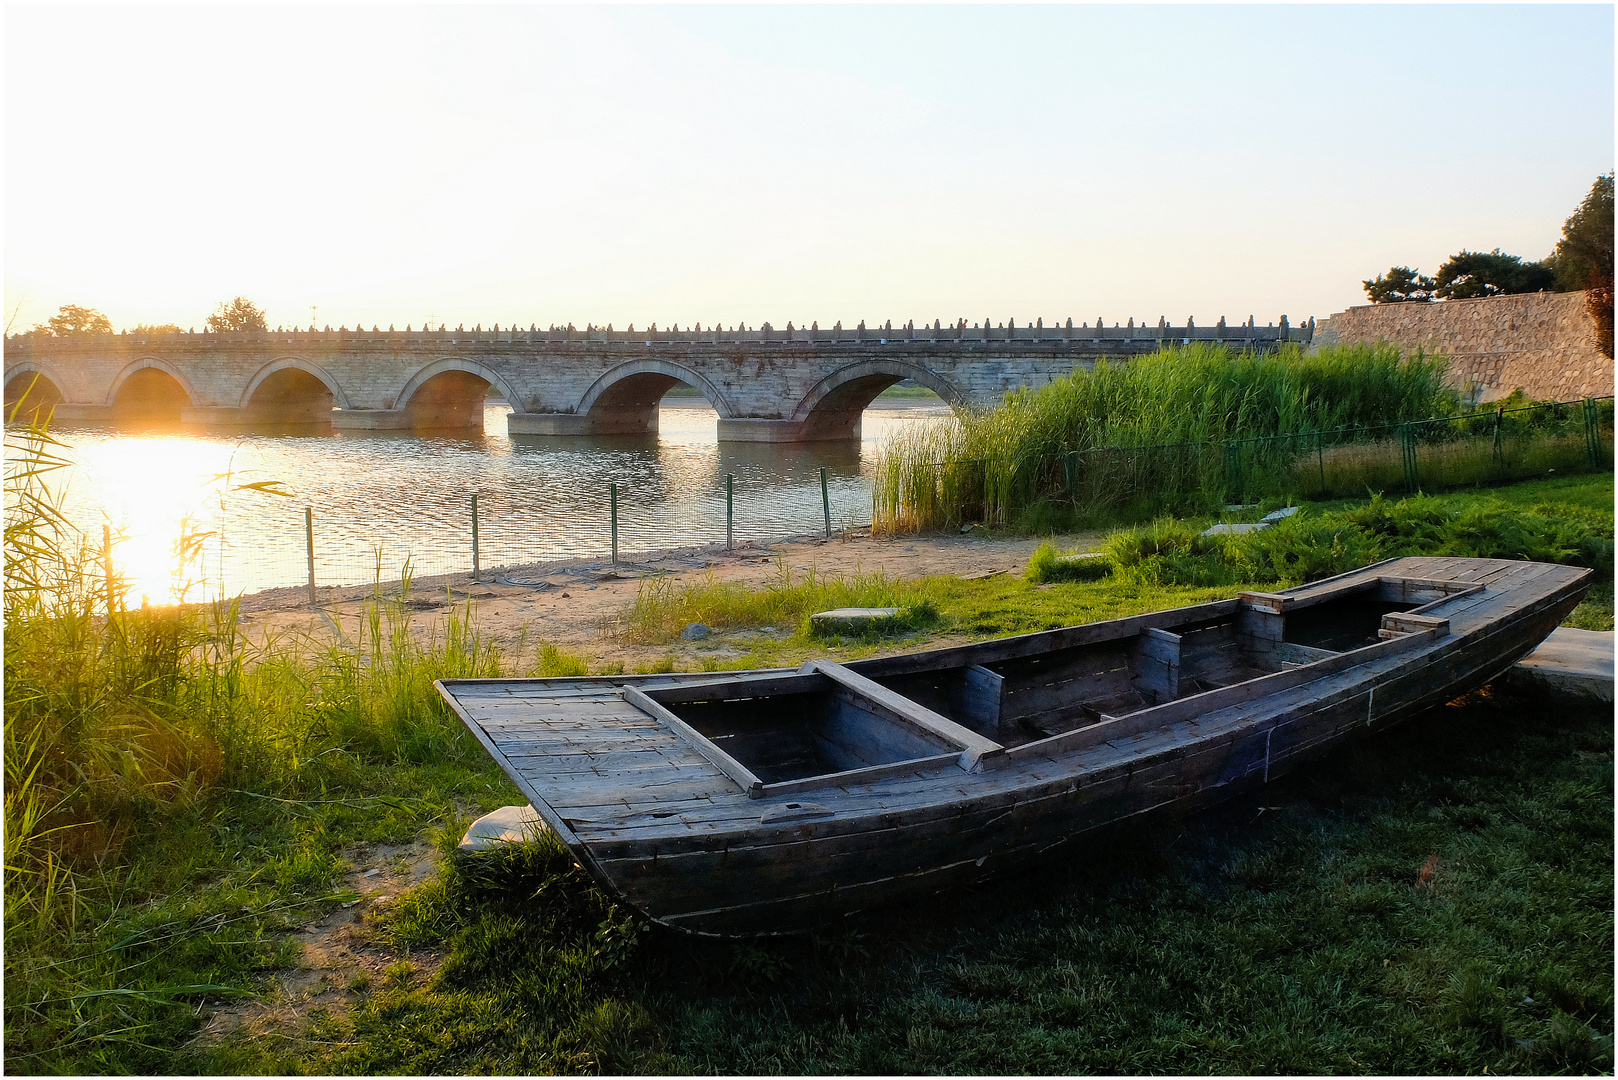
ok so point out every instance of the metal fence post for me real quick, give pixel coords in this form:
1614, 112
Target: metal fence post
1320, 458
730, 507
825, 501
309, 546
1407, 439
612, 495
106, 562
475, 568
1499, 423
1592, 430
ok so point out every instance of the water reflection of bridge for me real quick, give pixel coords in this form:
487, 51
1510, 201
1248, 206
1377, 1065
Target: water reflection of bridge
767, 385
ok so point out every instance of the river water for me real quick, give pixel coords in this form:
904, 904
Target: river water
378, 499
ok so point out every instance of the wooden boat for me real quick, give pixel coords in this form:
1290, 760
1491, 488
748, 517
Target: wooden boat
771, 801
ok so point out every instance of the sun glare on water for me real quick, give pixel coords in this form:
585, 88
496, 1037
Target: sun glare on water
154, 493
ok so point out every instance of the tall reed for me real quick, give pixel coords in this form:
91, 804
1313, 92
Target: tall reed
988, 466
118, 718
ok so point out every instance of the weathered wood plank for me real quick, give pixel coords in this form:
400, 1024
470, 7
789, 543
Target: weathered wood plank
1156, 663
983, 694
723, 761
865, 775
976, 749
1024, 645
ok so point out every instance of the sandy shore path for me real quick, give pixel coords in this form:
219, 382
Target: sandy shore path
570, 604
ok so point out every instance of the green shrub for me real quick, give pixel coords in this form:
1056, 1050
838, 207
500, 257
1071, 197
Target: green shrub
1307, 547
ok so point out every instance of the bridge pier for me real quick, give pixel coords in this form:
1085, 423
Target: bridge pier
519, 423
67, 412
371, 419
820, 427
214, 416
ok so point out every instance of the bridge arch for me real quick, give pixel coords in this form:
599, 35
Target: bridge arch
289, 388
150, 363
39, 383
144, 391
623, 399
449, 392
833, 406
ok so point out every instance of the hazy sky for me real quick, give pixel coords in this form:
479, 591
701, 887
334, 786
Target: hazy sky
671, 164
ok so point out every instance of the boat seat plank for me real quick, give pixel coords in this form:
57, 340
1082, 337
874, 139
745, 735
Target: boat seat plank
723, 761
975, 748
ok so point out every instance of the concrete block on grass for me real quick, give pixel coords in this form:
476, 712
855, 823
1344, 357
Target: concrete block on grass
1570, 664
853, 620
507, 825
1235, 530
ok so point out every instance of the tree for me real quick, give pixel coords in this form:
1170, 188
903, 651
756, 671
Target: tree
1585, 250
1399, 285
151, 330
237, 315
1584, 259
1470, 274
73, 319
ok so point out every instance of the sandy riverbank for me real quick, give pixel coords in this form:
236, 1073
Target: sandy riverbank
567, 604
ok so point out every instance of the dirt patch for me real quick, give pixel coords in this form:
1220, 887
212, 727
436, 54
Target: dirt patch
338, 957
570, 604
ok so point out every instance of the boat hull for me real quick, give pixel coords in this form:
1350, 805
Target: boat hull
732, 871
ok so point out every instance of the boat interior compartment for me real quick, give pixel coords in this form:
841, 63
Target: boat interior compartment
827, 721
1019, 700
801, 726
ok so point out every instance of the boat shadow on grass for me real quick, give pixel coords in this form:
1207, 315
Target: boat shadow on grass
1436, 898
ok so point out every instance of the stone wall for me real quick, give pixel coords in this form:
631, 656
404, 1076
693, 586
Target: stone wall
1541, 342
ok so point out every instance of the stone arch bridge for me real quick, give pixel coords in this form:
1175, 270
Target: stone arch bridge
767, 385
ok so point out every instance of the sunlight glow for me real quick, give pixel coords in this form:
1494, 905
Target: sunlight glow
162, 499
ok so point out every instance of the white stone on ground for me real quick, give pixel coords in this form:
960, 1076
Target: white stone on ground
1235, 530
852, 619
1571, 663
507, 825
1279, 515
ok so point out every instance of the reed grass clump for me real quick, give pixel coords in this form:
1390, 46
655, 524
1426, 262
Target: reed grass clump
142, 745
1138, 432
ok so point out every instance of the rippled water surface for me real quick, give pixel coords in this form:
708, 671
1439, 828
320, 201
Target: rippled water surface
378, 498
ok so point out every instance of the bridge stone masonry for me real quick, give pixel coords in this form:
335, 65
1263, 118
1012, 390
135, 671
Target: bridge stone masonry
767, 384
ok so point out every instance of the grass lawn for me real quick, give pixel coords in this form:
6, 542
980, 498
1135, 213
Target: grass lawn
1436, 900
1433, 899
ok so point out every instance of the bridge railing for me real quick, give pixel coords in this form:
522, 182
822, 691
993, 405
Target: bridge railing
960, 332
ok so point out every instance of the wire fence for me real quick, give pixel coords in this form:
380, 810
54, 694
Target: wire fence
495, 536
1423, 455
